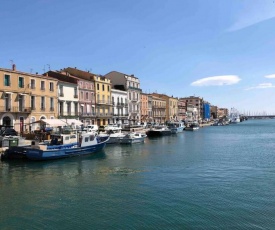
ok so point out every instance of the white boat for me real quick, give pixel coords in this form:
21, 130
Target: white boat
113, 127
132, 138
192, 127
176, 126
234, 116
115, 135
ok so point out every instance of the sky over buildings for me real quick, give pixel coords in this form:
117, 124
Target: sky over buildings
222, 51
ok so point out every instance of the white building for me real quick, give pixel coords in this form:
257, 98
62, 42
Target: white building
131, 84
120, 106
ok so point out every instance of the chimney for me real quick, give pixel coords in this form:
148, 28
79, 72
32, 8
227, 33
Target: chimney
13, 67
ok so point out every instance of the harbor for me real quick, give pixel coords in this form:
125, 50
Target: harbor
216, 177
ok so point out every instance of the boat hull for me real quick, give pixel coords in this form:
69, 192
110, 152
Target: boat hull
177, 130
158, 133
132, 140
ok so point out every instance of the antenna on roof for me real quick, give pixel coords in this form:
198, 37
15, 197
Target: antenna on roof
31, 70
49, 66
43, 69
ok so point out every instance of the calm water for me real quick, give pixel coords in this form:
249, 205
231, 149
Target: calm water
215, 178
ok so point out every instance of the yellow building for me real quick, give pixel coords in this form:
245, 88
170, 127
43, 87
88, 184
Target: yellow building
158, 109
171, 110
103, 100
26, 98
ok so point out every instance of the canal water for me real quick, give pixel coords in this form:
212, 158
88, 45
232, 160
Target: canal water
219, 177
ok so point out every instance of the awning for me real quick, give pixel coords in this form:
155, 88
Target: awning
72, 122
53, 122
22, 94
8, 92
81, 104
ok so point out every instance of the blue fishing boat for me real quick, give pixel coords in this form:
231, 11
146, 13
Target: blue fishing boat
60, 146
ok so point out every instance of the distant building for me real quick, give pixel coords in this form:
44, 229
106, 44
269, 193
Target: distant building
132, 85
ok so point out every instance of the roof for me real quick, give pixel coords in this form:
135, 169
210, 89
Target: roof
80, 73
61, 77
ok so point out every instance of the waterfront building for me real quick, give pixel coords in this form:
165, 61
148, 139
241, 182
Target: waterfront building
181, 109
68, 103
171, 110
132, 86
206, 111
120, 106
144, 111
192, 114
197, 102
26, 98
222, 112
159, 109
214, 111
86, 92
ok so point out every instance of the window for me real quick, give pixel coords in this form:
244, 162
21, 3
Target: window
51, 86
102, 87
21, 82
7, 80
32, 84
87, 96
42, 86
108, 88
32, 102
61, 94
97, 86
81, 95
75, 91
51, 104
42, 105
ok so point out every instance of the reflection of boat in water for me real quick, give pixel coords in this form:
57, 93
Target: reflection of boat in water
158, 131
192, 127
60, 146
176, 127
132, 138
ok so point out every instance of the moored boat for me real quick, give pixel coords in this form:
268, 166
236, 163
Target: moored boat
60, 146
192, 127
132, 138
176, 126
158, 131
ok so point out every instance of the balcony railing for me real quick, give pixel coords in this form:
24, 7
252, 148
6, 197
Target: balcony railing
121, 115
61, 94
15, 109
134, 99
84, 114
104, 102
75, 96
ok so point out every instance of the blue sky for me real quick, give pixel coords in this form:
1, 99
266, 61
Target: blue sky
221, 50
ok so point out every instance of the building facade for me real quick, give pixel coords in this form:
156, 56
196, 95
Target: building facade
120, 106
132, 85
159, 109
26, 98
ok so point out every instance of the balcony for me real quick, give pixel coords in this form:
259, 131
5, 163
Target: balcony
61, 94
75, 96
134, 99
104, 114
104, 102
120, 115
84, 114
42, 109
15, 109
52, 109
134, 88
119, 104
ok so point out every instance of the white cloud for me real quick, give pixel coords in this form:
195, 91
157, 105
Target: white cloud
217, 80
262, 86
270, 76
253, 12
